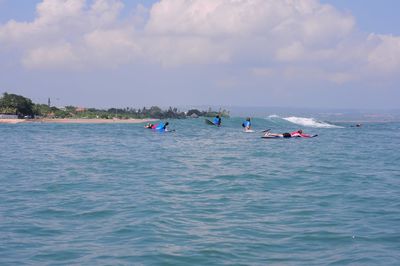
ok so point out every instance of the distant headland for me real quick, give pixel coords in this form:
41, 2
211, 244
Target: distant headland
19, 109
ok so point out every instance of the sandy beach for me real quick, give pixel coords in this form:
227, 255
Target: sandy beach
76, 121
12, 121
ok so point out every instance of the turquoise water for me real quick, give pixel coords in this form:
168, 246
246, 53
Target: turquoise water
122, 195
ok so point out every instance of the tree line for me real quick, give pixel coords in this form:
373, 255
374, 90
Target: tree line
24, 107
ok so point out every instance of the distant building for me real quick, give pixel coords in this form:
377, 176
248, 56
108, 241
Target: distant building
80, 109
5, 116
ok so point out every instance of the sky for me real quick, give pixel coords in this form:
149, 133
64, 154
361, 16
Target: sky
255, 53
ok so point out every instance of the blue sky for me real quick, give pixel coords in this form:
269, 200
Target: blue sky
372, 15
328, 53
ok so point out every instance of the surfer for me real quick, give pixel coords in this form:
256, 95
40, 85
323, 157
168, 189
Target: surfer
277, 135
247, 124
299, 134
161, 127
217, 120
165, 126
149, 126
296, 134
357, 125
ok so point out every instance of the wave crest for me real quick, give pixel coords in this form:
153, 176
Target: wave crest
309, 122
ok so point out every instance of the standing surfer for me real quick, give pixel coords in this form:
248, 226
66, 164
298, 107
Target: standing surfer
247, 124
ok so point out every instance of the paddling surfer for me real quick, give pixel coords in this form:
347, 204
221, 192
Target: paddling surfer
295, 134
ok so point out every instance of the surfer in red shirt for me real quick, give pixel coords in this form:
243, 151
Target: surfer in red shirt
299, 133
296, 134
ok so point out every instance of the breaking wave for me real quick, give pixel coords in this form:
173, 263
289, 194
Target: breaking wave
309, 122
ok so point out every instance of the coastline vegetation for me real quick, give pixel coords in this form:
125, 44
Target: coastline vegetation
24, 108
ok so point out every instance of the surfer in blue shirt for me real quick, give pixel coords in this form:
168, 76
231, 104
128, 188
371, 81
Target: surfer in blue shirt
247, 124
162, 127
217, 120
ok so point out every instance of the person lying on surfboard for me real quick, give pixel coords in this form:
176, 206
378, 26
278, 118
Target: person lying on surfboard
159, 127
217, 120
295, 134
299, 134
247, 124
149, 126
162, 127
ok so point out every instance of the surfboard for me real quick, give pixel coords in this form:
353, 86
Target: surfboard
248, 131
271, 137
281, 137
208, 122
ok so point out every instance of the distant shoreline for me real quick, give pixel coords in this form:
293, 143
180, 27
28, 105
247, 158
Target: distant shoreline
77, 121
134, 121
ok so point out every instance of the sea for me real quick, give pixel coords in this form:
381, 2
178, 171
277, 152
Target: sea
120, 194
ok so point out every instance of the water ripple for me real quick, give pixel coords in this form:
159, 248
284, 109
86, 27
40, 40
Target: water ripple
122, 195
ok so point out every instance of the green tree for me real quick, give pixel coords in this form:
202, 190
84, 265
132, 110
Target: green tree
194, 111
41, 109
16, 104
155, 112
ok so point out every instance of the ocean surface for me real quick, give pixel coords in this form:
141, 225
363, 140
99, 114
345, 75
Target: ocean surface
119, 194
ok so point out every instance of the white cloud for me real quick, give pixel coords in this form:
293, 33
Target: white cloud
105, 12
385, 55
263, 71
56, 11
53, 56
294, 51
177, 51
267, 36
110, 47
231, 17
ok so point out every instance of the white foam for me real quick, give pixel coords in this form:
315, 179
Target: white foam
309, 122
